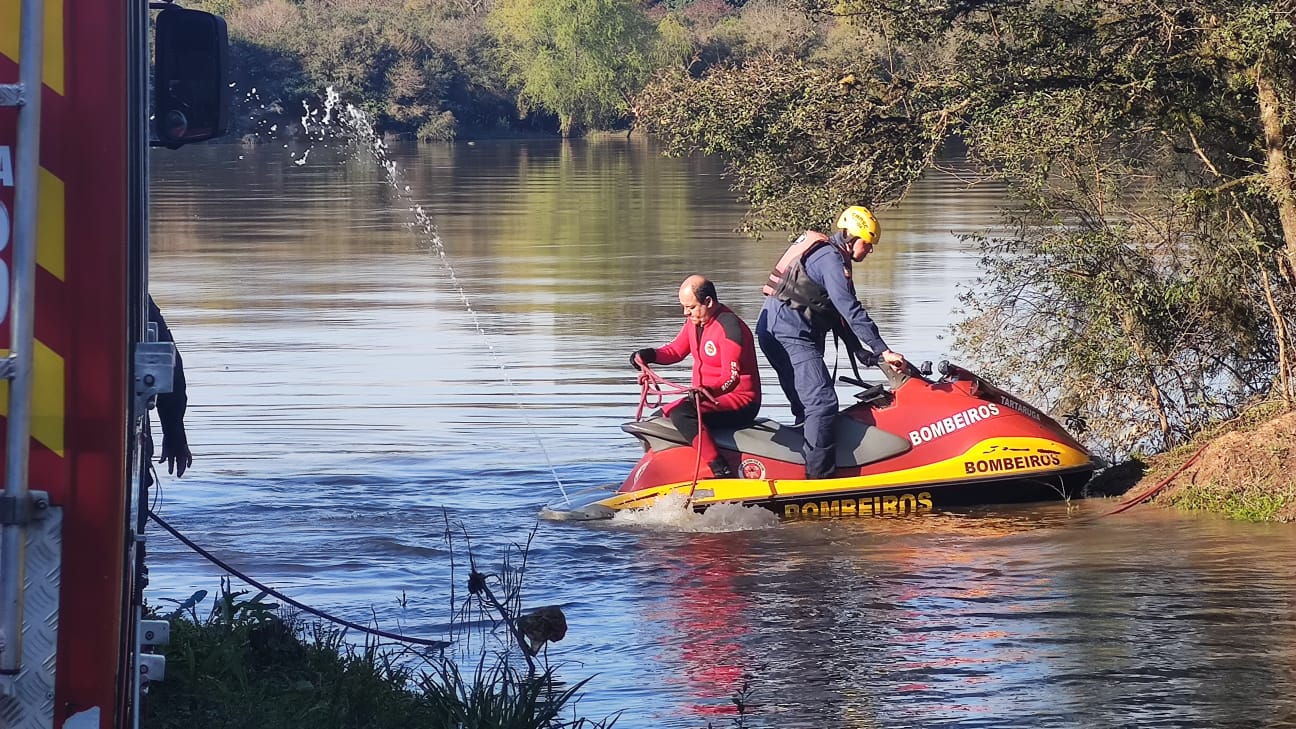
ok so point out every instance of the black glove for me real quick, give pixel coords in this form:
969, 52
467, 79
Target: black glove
647, 354
178, 458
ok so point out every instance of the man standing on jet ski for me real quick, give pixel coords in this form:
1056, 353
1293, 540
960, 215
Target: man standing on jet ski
724, 370
810, 293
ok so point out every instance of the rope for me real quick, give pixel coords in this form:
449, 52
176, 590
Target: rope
654, 388
1134, 501
697, 462
300, 606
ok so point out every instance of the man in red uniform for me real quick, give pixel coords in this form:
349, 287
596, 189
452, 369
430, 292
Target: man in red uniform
724, 368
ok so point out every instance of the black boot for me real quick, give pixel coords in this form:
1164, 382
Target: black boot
720, 469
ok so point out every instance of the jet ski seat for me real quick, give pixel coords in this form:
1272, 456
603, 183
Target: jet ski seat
858, 443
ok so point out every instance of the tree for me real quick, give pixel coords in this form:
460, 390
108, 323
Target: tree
1150, 280
802, 141
579, 59
1126, 133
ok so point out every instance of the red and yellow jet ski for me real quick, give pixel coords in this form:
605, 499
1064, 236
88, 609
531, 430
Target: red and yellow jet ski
910, 445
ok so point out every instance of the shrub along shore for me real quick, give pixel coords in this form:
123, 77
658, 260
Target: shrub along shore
246, 665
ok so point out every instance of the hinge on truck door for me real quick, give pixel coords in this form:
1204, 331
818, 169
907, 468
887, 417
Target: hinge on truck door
153, 634
154, 370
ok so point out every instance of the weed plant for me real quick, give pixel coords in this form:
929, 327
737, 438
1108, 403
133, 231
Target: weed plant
248, 665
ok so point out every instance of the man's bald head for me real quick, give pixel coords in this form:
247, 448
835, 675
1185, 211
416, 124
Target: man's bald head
701, 287
698, 297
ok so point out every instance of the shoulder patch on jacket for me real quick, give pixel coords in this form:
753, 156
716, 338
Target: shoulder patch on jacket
732, 326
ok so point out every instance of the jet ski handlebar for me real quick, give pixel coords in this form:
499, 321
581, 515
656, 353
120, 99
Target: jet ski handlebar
895, 378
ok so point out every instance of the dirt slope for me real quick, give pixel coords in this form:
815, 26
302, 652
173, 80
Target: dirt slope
1248, 471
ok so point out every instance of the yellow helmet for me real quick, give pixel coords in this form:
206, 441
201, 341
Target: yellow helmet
858, 222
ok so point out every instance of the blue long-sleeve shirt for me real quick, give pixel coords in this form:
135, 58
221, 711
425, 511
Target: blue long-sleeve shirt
825, 267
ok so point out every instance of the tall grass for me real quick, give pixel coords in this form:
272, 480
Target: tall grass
247, 664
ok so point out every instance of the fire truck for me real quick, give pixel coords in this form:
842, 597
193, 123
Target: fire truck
81, 101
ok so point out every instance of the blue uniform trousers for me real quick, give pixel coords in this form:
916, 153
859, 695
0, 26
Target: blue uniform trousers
806, 382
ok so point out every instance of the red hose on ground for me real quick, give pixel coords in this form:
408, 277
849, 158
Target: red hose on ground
1157, 488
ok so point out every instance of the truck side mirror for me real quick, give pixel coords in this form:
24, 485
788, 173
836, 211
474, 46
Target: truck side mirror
191, 78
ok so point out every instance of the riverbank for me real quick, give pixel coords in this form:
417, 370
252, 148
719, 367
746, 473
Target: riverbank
280, 673
1243, 469
249, 662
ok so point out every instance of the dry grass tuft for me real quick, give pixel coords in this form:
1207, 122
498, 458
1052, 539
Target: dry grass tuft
1246, 471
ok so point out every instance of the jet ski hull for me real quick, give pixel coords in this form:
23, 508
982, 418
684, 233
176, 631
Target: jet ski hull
828, 497
918, 447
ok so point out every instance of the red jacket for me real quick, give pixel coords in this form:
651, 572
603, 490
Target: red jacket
724, 351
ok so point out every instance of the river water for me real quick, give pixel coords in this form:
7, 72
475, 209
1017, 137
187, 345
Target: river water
353, 393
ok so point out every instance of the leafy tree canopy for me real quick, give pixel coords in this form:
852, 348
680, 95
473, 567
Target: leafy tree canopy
580, 59
1149, 281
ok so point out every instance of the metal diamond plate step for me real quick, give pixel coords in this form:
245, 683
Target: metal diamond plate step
29, 703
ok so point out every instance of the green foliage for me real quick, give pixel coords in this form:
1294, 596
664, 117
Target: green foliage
245, 666
1249, 504
806, 141
1136, 314
579, 59
371, 56
1147, 278
407, 64
498, 696
440, 128
674, 48
1144, 261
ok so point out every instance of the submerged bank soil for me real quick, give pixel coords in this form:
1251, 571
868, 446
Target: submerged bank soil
1244, 470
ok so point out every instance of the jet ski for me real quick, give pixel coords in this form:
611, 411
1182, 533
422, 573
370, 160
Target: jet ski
909, 445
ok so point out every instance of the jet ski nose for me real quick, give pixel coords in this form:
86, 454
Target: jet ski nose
582, 506
589, 512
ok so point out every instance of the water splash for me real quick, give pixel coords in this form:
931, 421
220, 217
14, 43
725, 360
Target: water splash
355, 126
672, 512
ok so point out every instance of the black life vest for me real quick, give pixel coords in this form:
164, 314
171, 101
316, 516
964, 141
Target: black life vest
789, 282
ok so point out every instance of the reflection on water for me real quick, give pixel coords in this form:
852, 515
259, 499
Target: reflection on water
342, 403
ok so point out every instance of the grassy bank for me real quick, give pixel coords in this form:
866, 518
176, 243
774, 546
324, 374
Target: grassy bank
1243, 469
245, 664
